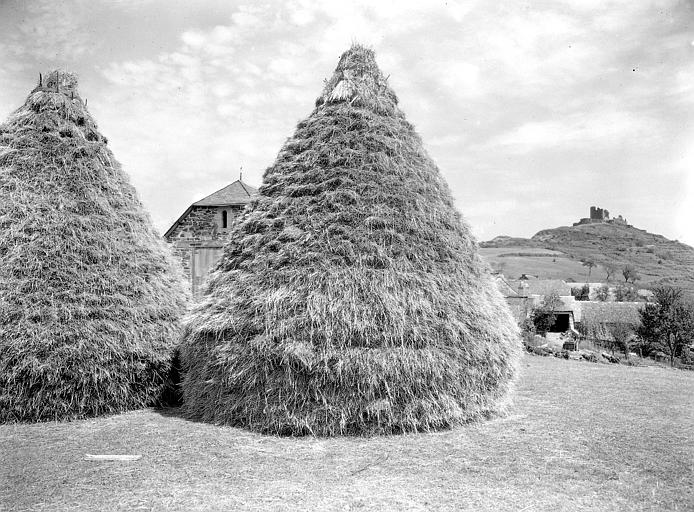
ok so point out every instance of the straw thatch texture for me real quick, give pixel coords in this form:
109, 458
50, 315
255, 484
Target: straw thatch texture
350, 298
90, 297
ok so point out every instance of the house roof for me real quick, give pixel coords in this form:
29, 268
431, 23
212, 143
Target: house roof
568, 303
542, 286
237, 193
607, 312
610, 312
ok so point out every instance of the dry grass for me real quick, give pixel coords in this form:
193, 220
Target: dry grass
90, 296
581, 436
350, 298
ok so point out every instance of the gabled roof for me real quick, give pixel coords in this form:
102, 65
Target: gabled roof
567, 303
542, 286
611, 312
236, 193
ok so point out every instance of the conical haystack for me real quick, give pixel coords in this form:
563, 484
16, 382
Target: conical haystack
351, 298
90, 297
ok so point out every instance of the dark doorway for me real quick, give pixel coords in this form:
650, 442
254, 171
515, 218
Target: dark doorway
556, 322
561, 323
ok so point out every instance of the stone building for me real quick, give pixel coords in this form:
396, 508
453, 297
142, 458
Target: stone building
600, 215
199, 234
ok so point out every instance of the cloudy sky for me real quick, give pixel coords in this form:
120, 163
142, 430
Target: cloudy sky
533, 110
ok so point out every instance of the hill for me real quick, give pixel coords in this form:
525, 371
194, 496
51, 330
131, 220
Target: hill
557, 253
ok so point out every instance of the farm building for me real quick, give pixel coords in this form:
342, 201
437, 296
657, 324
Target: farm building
529, 287
352, 298
523, 296
567, 313
610, 313
198, 235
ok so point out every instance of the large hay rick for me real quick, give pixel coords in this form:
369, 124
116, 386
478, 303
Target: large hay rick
351, 298
89, 296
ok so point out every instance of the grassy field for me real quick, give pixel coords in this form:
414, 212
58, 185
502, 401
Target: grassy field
580, 436
544, 263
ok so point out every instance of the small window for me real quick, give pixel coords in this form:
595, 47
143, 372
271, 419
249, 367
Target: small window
224, 219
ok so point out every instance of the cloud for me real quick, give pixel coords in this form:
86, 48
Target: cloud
588, 130
684, 165
204, 110
53, 30
683, 85
508, 96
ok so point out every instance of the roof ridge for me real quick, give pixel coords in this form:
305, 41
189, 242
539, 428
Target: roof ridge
216, 191
243, 186
241, 191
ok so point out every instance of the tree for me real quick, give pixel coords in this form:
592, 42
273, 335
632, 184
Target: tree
582, 293
602, 293
610, 270
630, 274
543, 316
668, 324
622, 335
528, 328
625, 294
590, 264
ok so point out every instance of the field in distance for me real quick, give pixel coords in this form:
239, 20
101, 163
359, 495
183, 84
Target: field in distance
657, 260
543, 263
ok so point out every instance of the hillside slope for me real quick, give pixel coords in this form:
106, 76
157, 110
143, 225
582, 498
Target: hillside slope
657, 259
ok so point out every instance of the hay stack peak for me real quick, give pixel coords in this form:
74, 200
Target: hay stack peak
58, 81
350, 298
90, 297
358, 80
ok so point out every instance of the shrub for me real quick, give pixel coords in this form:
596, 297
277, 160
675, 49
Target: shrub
668, 324
602, 293
582, 293
625, 294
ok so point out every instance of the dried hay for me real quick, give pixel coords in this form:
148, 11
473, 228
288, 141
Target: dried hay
90, 296
350, 298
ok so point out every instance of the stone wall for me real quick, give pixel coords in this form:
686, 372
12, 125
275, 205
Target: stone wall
598, 214
200, 228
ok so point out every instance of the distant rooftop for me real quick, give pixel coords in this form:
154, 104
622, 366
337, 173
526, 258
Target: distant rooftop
235, 193
541, 286
611, 312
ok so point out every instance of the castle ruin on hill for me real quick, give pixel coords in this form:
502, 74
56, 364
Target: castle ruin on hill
600, 215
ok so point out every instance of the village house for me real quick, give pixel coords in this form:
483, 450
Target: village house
199, 234
525, 295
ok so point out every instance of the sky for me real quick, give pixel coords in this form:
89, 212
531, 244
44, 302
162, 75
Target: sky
533, 110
